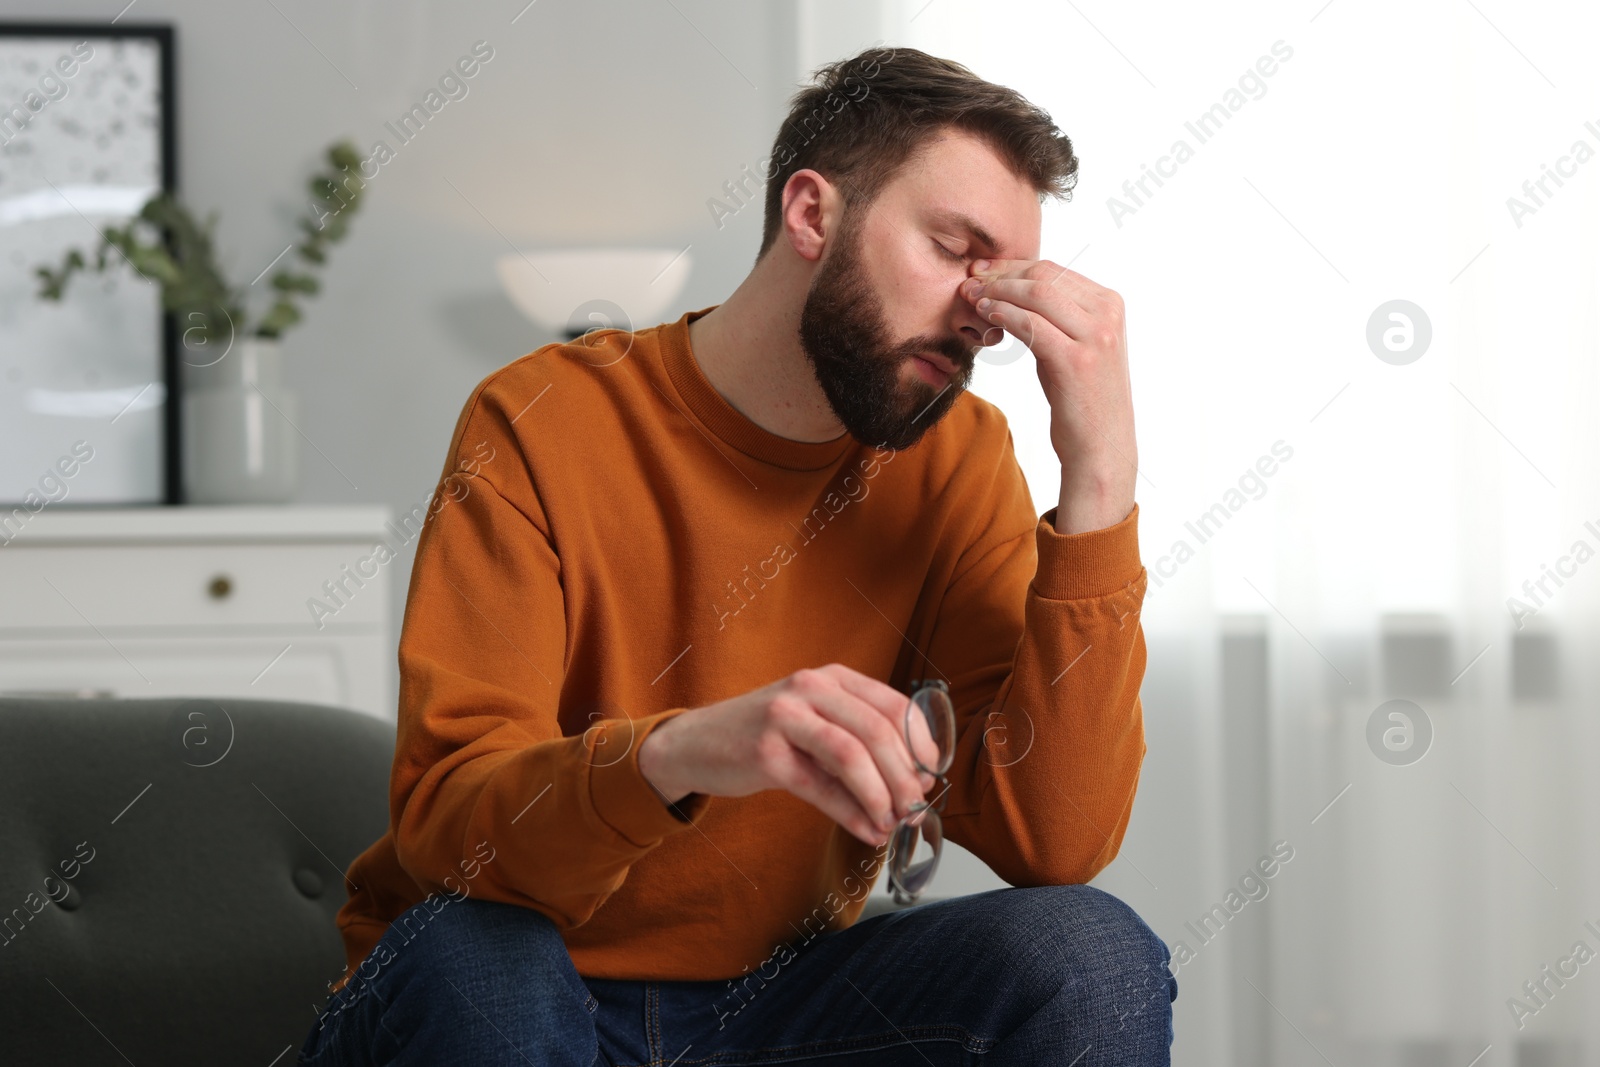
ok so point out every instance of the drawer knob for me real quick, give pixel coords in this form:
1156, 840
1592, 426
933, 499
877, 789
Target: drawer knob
220, 588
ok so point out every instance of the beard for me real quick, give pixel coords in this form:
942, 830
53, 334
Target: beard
846, 336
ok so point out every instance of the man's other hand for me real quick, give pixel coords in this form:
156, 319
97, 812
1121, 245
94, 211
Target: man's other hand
830, 735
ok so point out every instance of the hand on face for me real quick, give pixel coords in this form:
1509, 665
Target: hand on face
1077, 333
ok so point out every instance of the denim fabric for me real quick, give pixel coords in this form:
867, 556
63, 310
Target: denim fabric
1062, 975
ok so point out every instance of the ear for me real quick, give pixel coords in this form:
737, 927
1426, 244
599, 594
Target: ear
812, 212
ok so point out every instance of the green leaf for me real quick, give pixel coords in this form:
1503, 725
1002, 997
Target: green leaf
287, 282
282, 316
343, 154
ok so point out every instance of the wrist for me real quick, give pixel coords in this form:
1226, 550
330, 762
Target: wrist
655, 764
1092, 502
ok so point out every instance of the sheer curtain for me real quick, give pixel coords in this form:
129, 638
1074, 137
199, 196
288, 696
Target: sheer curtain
1365, 366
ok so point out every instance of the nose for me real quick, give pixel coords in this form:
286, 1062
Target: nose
967, 320
972, 327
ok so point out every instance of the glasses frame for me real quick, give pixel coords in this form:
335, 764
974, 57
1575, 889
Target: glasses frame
909, 830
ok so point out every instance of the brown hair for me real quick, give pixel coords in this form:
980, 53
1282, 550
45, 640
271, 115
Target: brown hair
865, 117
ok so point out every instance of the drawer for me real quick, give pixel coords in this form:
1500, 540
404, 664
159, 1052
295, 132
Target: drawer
348, 670
117, 587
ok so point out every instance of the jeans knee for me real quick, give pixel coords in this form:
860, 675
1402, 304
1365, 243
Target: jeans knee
467, 918
449, 935
461, 980
461, 958
1106, 960
1136, 965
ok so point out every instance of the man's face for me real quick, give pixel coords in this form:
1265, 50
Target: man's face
887, 291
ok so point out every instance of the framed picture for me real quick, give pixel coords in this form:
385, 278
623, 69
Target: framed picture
88, 385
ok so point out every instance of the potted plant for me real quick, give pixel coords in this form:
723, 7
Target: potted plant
239, 432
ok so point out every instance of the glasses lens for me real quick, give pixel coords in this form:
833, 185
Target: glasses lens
931, 729
917, 843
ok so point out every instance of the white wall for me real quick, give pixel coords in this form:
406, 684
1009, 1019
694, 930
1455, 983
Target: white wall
609, 122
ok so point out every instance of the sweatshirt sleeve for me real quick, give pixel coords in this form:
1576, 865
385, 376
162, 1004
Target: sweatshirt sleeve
1040, 639
486, 784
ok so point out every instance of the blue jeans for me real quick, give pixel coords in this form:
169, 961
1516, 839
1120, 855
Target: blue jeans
1059, 975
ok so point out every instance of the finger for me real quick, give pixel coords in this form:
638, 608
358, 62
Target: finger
841, 754
1057, 308
924, 747
1086, 291
1095, 300
800, 775
885, 699
1019, 322
888, 700
885, 742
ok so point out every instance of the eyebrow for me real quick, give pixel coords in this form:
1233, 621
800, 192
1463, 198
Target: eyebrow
966, 222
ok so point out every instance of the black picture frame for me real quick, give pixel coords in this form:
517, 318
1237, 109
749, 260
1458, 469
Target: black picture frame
164, 38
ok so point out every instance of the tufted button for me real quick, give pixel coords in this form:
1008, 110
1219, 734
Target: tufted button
73, 899
308, 882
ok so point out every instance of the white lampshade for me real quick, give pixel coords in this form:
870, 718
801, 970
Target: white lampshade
578, 289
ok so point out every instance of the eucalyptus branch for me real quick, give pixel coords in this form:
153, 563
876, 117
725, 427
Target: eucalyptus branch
334, 192
165, 245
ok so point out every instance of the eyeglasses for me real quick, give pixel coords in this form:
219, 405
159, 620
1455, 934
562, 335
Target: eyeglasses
930, 730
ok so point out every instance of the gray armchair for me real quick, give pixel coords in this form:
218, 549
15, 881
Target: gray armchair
170, 871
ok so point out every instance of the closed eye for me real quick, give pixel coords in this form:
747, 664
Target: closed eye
947, 253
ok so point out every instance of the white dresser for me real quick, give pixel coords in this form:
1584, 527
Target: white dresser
199, 601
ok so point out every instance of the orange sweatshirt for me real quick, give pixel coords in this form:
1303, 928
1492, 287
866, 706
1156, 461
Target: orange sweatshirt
613, 544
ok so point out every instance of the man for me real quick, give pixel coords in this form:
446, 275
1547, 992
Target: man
652, 725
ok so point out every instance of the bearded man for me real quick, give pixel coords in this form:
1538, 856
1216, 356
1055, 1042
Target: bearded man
752, 609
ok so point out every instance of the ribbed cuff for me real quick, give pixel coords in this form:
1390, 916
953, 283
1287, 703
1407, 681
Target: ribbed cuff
619, 791
1093, 563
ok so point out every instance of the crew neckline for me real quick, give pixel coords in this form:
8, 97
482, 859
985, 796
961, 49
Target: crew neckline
727, 422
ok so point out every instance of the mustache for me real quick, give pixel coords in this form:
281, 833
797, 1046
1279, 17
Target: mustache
961, 356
